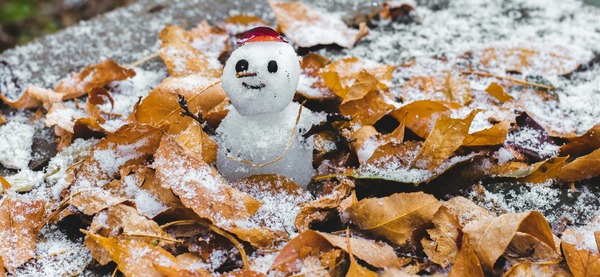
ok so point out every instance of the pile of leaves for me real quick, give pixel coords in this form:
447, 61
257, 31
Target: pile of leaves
150, 202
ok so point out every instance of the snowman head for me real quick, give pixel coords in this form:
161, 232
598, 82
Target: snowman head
261, 76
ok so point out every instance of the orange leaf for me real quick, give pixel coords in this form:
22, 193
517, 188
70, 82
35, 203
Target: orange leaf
447, 136
368, 109
341, 75
494, 135
582, 168
583, 144
200, 186
19, 218
198, 142
91, 77
550, 60
240, 23
321, 208
395, 217
312, 85
419, 114
546, 170
307, 27
181, 58
537, 269
501, 231
161, 106
498, 92
467, 263
582, 262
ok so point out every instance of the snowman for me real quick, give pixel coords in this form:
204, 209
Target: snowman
263, 131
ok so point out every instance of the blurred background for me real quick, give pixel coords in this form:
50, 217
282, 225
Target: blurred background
23, 20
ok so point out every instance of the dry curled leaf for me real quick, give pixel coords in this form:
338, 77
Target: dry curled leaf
501, 231
495, 135
537, 269
582, 168
498, 92
546, 170
419, 115
323, 207
199, 185
395, 217
467, 263
583, 144
91, 77
308, 27
198, 142
20, 217
353, 78
582, 262
446, 137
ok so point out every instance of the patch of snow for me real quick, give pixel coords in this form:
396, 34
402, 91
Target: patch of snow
16, 139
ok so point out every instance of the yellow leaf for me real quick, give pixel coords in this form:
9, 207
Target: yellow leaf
467, 263
582, 168
91, 77
498, 92
494, 135
582, 263
546, 170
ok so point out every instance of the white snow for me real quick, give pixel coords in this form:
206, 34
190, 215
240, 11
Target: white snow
16, 138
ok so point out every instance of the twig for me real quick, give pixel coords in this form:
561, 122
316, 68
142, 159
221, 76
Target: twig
325, 177
217, 230
151, 236
183, 104
287, 147
144, 60
518, 81
160, 124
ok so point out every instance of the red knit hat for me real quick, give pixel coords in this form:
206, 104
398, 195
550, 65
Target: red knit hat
260, 34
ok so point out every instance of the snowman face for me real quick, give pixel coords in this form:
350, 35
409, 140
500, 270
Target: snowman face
261, 77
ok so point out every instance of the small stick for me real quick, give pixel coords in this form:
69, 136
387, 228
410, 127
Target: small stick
144, 60
518, 81
186, 112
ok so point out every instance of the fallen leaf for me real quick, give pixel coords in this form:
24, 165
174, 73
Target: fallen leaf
211, 41
537, 269
442, 87
458, 89
368, 109
445, 138
123, 222
240, 23
525, 247
91, 77
419, 115
358, 138
547, 61
467, 263
181, 58
501, 231
498, 92
32, 97
98, 96
199, 186
323, 207
91, 200
20, 217
546, 170
311, 66
136, 258
582, 168
582, 145
344, 74
399, 11
495, 135
582, 262
307, 27
198, 142
161, 106
395, 217
379, 255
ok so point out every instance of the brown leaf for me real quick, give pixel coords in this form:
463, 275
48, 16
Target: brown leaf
443, 87
418, 115
98, 96
311, 66
20, 217
525, 247
582, 145
211, 41
494, 135
122, 222
181, 58
307, 27
91, 200
199, 185
445, 138
376, 254
368, 109
498, 92
467, 263
136, 258
582, 168
91, 77
341, 75
458, 89
161, 107
359, 137
240, 23
550, 60
597, 238
546, 170
201, 145
582, 262
397, 10
32, 97
323, 207
395, 217
537, 269
501, 231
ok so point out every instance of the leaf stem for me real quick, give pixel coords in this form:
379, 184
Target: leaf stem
518, 81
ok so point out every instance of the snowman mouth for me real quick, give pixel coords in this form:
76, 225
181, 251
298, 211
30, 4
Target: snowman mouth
259, 86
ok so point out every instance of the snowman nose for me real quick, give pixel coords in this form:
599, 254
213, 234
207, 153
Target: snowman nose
245, 74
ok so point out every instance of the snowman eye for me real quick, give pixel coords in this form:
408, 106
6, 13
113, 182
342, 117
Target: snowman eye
272, 66
241, 65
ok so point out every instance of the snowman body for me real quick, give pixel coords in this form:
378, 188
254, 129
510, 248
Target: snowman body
260, 79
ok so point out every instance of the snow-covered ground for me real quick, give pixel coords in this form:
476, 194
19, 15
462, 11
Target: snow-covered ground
449, 28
